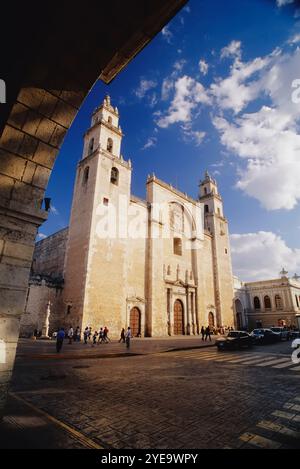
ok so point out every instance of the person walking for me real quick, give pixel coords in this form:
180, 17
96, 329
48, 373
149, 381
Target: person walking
95, 335
70, 334
60, 339
207, 333
105, 335
101, 336
90, 333
77, 334
128, 336
122, 336
202, 332
86, 335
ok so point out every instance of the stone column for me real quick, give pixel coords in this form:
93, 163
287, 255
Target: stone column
45, 327
29, 144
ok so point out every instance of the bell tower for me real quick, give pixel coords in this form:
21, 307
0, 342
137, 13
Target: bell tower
216, 224
99, 211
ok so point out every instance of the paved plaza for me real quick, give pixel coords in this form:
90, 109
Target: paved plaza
164, 393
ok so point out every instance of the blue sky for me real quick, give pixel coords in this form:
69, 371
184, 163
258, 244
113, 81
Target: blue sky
212, 91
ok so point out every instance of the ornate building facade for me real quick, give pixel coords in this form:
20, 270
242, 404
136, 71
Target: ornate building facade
161, 265
267, 303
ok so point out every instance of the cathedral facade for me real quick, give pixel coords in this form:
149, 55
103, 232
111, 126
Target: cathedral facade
161, 266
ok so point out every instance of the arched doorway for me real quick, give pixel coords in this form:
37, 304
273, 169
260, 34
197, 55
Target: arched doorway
135, 322
178, 318
211, 320
239, 312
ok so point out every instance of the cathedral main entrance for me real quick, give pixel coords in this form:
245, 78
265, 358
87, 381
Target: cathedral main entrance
135, 322
178, 318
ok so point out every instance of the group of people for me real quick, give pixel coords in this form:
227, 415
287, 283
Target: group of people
100, 337
207, 332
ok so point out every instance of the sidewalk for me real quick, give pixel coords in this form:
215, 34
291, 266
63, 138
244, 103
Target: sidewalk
43, 350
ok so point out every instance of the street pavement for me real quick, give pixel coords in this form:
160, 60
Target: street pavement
169, 393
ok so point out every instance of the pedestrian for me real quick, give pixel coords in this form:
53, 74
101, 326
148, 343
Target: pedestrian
85, 335
105, 335
70, 334
128, 337
122, 336
90, 333
207, 333
202, 332
101, 336
60, 339
77, 334
95, 338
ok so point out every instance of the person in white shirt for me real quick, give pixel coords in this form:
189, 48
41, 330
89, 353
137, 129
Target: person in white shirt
70, 334
128, 337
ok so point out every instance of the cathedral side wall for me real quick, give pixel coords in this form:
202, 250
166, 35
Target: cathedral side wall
34, 315
49, 255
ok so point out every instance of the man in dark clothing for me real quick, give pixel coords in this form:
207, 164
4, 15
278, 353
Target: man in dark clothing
207, 333
60, 339
202, 332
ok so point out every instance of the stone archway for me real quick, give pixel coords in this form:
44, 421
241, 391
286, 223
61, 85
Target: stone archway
239, 313
178, 318
211, 320
48, 76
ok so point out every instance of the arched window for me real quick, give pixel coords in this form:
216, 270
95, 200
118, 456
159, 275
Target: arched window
205, 190
85, 175
91, 146
177, 246
114, 176
109, 145
206, 209
109, 119
278, 302
256, 302
267, 302
297, 301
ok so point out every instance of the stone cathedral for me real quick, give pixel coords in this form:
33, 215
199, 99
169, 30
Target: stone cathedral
160, 265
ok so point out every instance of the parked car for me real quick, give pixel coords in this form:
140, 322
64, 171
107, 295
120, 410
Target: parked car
264, 336
235, 340
282, 332
294, 335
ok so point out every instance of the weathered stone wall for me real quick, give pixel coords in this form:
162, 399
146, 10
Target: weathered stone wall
40, 292
49, 255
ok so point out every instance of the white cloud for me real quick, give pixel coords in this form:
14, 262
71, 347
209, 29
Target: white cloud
41, 236
233, 49
167, 34
167, 87
203, 66
151, 142
236, 91
190, 135
268, 140
144, 87
295, 39
54, 210
188, 95
261, 256
179, 64
281, 3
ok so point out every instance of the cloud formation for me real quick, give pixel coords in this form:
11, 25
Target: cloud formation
261, 255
